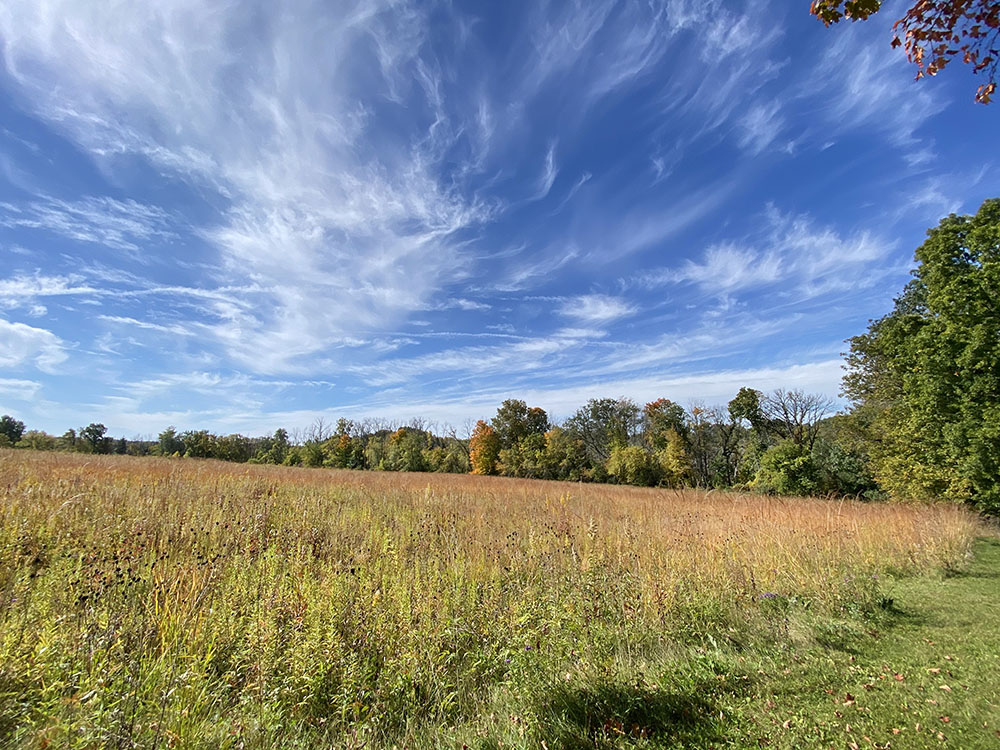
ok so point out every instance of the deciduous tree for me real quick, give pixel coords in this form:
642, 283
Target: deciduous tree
93, 437
603, 424
484, 449
11, 428
632, 464
514, 421
925, 378
786, 469
658, 417
37, 440
675, 460
934, 32
795, 415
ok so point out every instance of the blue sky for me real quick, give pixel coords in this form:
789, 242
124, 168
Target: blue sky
245, 215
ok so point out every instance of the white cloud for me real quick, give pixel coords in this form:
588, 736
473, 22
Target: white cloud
727, 268
596, 308
790, 251
867, 85
19, 390
934, 199
23, 345
345, 224
760, 126
122, 225
548, 175
525, 274
23, 289
175, 329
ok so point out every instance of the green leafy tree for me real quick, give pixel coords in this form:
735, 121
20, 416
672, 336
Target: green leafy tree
604, 424
925, 378
749, 428
405, 450
198, 444
632, 464
376, 450
564, 457
339, 451
276, 449
449, 459
38, 441
842, 471
11, 428
787, 468
237, 448
93, 437
169, 443
68, 441
660, 416
514, 421
312, 453
526, 458
745, 408
675, 460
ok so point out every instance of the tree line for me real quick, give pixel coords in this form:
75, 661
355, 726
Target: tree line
784, 442
923, 421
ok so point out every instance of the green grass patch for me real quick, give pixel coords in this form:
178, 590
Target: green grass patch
922, 670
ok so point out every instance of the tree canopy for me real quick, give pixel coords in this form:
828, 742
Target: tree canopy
925, 379
11, 429
934, 32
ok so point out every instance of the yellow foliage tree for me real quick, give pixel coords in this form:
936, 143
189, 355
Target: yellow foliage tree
484, 449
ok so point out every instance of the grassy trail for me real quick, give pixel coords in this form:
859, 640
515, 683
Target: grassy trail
927, 677
925, 674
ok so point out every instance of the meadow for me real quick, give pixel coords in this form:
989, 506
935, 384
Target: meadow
162, 603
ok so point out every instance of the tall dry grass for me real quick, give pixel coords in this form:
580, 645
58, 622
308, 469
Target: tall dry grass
157, 602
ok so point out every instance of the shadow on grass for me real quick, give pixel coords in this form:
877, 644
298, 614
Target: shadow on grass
619, 715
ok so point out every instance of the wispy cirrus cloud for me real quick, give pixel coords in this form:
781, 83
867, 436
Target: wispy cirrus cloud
347, 222
789, 250
596, 309
865, 84
24, 289
123, 225
548, 175
174, 329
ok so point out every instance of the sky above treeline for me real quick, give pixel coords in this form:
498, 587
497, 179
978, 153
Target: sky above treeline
244, 215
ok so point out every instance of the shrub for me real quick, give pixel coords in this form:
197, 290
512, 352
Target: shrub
786, 469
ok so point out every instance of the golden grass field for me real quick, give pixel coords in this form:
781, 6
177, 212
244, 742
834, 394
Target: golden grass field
180, 603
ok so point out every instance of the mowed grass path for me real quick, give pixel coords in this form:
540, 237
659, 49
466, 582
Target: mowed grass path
928, 676
925, 674
154, 603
